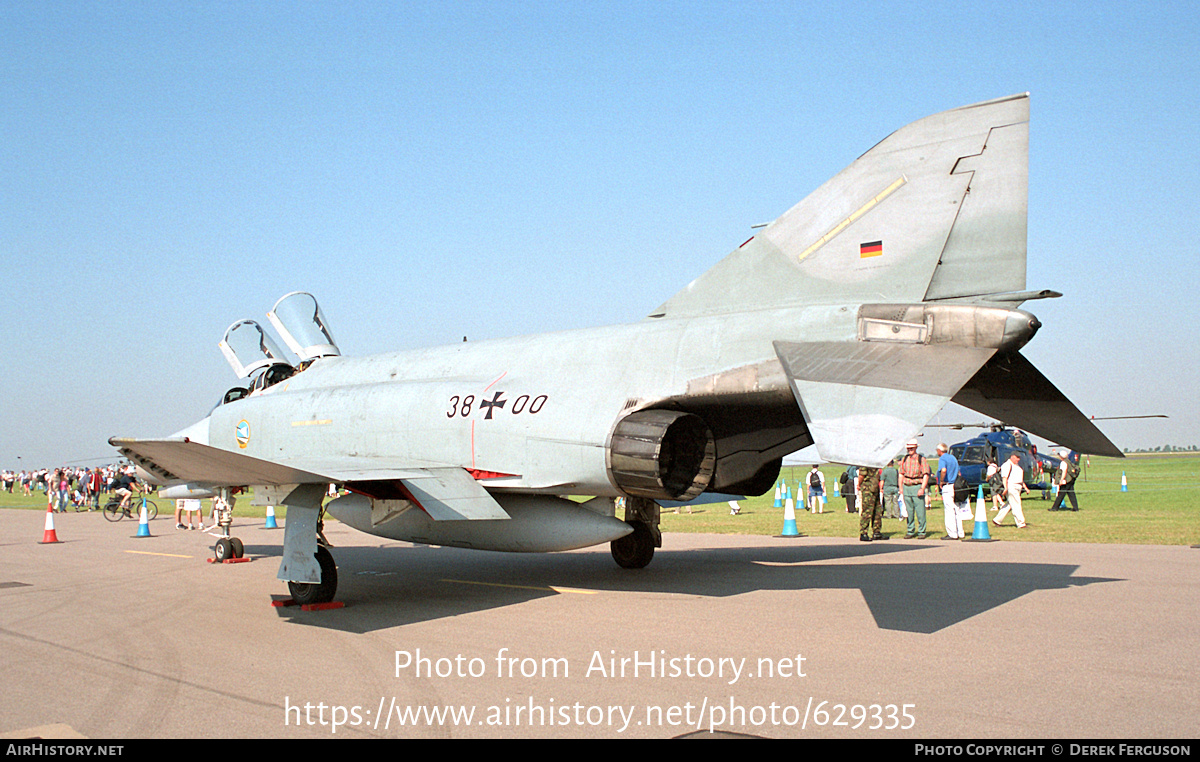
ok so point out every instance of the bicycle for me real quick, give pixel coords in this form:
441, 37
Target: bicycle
113, 512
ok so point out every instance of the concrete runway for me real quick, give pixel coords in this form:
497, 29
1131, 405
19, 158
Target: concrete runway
110, 636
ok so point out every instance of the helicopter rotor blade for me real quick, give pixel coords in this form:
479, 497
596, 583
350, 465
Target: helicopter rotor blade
957, 426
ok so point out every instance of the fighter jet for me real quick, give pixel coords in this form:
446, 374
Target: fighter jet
845, 323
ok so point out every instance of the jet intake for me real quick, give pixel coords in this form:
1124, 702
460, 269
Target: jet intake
662, 455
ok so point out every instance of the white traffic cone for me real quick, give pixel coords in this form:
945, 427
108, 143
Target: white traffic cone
980, 531
143, 522
49, 537
789, 520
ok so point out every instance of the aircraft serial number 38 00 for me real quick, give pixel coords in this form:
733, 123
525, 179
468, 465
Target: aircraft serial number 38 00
847, 323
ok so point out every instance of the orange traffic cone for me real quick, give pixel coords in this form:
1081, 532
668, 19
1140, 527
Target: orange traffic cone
49, 537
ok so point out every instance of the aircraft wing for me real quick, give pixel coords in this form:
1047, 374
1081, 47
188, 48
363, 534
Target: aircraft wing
181, 459
446, 493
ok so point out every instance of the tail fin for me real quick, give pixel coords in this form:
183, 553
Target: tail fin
935, 211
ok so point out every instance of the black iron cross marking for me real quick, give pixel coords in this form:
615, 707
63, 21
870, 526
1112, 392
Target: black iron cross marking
493, 403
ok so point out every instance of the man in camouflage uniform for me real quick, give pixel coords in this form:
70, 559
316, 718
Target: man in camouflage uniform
870, 522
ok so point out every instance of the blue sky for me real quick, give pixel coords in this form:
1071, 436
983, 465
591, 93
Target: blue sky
435, 170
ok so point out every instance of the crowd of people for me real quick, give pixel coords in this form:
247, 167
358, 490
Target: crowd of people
902, 490
77, 487
905, 490
81, 488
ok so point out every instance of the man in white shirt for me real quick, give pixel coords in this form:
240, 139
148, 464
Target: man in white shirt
1014, 484
946, 475
816, 490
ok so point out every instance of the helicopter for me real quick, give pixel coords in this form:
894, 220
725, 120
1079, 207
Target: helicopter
999, 442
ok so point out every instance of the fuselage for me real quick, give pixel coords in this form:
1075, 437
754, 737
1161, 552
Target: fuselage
534, 412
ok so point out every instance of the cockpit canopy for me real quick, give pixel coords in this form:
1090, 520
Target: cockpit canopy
300, 322
252, 352
248, 348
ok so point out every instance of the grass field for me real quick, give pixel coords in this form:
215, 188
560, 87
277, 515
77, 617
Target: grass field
1161, 508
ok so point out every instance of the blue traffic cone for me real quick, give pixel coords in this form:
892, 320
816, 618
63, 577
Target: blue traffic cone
789, 520
778, 497
271, 518
835, 488
980, 532
1124, 484
143, 522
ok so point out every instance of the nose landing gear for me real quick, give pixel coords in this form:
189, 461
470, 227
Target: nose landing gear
227, 548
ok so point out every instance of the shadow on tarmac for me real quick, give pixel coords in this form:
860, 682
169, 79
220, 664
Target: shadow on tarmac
386, 587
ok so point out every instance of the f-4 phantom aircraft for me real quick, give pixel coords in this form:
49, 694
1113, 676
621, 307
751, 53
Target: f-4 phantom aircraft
847, 323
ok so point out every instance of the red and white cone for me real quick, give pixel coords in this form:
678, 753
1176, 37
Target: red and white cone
49, 537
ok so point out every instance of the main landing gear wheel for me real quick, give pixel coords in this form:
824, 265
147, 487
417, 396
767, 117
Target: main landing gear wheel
228, 547
305, 593
636, 549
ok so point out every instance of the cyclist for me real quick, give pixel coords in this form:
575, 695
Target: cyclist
125, 485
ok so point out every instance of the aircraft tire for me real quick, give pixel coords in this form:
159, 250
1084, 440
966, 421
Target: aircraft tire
239, 549
223, 549
636, 549
305, 593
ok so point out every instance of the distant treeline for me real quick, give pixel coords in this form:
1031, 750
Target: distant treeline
1165, 448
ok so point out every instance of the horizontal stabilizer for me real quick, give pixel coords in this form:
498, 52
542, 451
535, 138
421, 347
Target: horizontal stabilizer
863, 400
1009, 389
